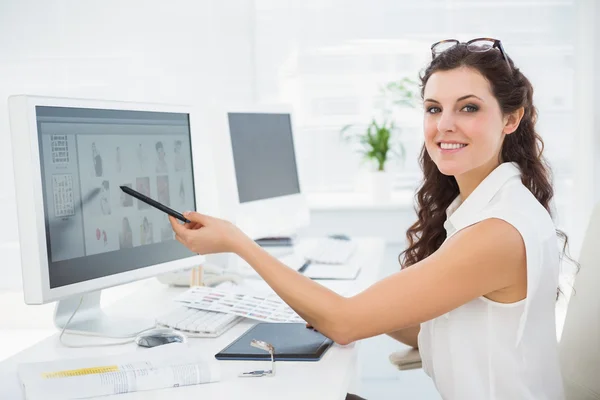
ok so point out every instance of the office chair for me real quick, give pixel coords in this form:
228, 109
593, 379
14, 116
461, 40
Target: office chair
406, 359
580, 342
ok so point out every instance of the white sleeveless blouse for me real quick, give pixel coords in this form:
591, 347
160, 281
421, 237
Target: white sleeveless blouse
489, 350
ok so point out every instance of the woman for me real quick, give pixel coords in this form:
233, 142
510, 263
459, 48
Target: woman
126, 234
105, 198
97, 160
119, 163
478, 283
161, 163
146, 232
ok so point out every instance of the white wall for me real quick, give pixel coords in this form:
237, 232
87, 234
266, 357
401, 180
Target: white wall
181, 51
596, 101
587, 119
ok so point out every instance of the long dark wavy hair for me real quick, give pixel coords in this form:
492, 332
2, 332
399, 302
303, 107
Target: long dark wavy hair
524, 147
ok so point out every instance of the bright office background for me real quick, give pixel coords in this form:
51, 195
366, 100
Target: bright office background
327, 58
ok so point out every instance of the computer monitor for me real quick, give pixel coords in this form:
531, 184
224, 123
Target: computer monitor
79, 233
271, 202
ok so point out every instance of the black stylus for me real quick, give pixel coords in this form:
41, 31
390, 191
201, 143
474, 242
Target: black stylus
154, 203
304, 266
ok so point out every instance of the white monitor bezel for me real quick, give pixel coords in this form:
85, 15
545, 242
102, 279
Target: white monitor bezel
258, 208
30, 209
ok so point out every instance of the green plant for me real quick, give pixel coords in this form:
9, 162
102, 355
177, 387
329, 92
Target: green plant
403, 93
376, 142
379, 140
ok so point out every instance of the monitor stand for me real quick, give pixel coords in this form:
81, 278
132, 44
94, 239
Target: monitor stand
91, 320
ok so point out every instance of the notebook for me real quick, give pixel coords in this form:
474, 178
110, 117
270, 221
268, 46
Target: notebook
292, 342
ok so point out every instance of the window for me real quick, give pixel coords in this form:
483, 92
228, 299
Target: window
328, 59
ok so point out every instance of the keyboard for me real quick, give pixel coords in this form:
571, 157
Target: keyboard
331, 251
197, 323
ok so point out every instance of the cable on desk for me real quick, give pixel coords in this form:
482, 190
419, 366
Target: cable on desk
60, 339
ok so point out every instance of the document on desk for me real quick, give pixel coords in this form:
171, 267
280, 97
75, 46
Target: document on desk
166, 366
253, 305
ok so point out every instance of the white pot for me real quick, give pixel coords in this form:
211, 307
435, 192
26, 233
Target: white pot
381, 186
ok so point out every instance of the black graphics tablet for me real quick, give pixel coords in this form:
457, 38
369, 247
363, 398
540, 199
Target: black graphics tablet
292, 342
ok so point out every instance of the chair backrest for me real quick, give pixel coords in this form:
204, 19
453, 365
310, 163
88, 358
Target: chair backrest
580, 341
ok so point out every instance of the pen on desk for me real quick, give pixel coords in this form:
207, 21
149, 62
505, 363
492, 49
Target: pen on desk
304, 266
193, 277
196, 276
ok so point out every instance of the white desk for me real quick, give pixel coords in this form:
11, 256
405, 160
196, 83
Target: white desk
328, 378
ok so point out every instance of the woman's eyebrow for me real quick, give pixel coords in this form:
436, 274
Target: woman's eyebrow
457, 100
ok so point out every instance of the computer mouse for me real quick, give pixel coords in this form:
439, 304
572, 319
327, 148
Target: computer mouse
159, 336
340, 236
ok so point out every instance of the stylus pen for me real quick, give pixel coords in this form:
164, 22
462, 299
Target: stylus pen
154, 203
304, 266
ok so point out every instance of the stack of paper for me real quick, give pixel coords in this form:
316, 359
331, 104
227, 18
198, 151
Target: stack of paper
162, 367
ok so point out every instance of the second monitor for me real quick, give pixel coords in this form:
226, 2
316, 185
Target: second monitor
271, 202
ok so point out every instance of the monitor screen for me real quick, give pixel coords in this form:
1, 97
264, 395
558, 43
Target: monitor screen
93, 229
263, 154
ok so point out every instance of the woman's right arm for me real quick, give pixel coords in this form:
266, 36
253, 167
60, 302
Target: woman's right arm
407, 336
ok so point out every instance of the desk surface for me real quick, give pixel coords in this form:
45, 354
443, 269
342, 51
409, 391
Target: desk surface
328, 378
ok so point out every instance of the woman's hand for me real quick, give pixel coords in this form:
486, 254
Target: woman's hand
207, 235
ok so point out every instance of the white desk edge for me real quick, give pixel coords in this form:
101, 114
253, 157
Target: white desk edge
328, 378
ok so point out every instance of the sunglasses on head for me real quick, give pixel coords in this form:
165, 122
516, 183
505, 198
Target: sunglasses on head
479, 45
